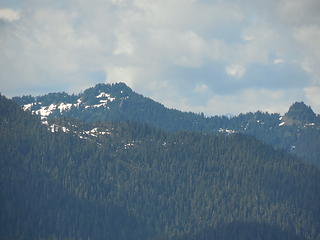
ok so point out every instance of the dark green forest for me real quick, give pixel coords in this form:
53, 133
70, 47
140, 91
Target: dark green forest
143, 182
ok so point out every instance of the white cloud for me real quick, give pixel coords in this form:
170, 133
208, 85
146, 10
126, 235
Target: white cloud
201, 88
124, 44
9, 15
313, 97
248, 37
193, 47
308, 38
157, 47
127, 75
235, 70
278, 61
250, 99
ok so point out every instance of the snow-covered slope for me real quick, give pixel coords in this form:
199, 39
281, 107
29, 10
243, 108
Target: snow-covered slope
101, 96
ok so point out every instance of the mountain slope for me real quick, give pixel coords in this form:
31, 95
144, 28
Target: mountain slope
142, 183
297, 132
40, 197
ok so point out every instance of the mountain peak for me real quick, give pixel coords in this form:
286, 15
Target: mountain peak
114, 89
299, 113
112, 86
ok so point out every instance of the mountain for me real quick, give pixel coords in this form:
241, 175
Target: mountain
300, 114
133, 181
41, 197
106, 102
297, 132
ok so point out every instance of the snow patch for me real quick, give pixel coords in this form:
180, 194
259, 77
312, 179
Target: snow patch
44, 112
78, 103
56, 128
27, 106
103, 94
260, 121
310, 124
228, 131
64, 129
98, 105
128, 145
107, 96
65, 106
95, 132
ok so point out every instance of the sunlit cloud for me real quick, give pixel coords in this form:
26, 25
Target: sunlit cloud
9, 15
235, 70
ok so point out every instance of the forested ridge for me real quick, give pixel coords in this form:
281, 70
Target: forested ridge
140, 182
296, 132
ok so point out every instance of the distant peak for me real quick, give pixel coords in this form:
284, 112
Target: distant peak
112, 85
120, 84
299, 105
301, 112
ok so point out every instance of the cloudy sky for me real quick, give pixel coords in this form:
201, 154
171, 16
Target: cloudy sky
209, 56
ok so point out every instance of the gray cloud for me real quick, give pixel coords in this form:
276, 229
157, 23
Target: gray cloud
189, 54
